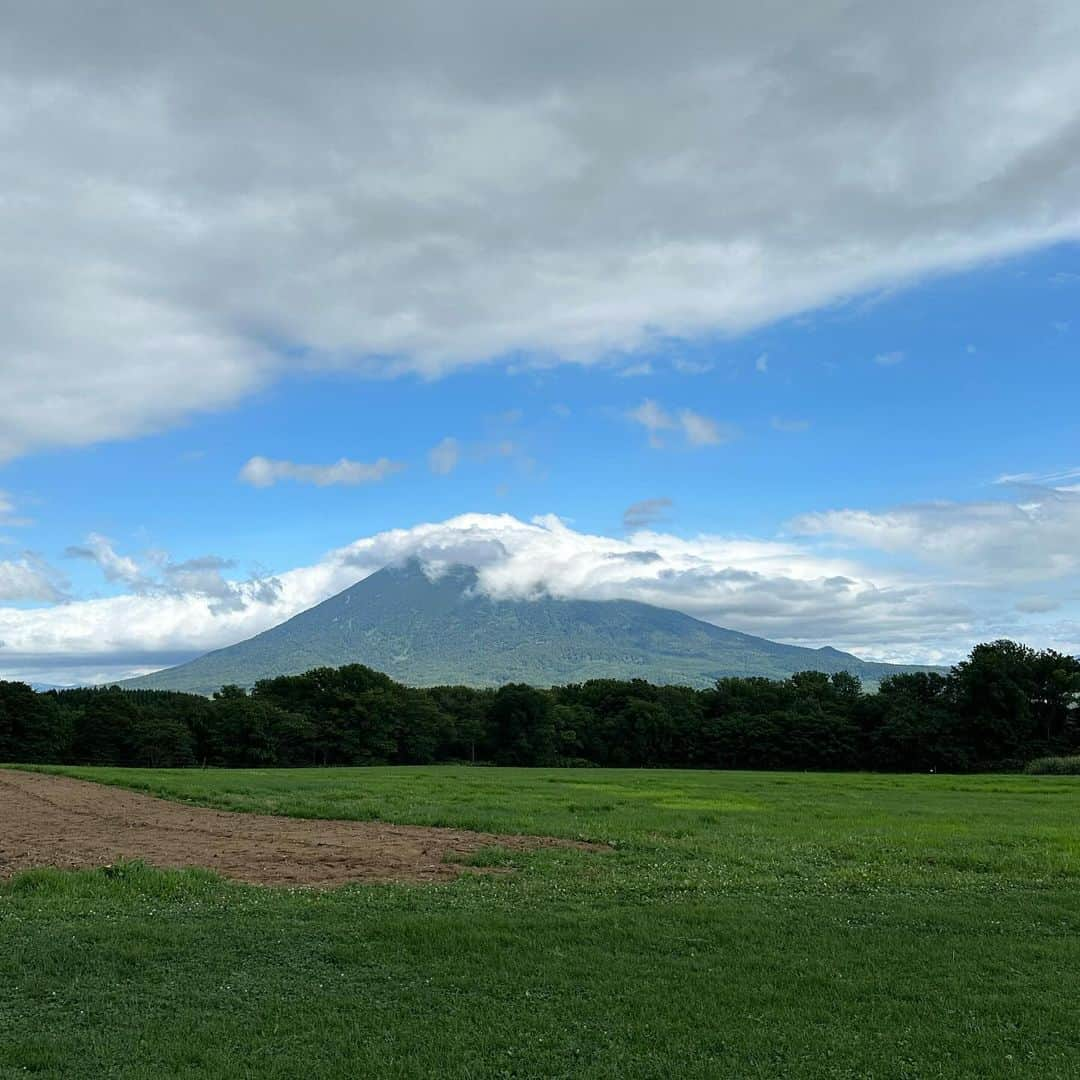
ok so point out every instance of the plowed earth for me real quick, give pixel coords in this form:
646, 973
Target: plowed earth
72, 824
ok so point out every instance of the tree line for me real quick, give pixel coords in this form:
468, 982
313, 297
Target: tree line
1001, 707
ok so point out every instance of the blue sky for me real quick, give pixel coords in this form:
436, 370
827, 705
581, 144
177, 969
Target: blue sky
983, 382
838, 345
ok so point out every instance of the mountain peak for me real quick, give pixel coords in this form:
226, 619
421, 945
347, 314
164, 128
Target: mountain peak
432, 572
426, 624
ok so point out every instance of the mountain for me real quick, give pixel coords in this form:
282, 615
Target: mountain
426, 633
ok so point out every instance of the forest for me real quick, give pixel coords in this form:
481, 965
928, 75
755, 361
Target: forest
1003, 706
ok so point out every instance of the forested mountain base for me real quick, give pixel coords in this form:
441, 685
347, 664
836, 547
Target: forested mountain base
1002, 707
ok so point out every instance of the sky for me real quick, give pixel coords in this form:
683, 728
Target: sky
767, 315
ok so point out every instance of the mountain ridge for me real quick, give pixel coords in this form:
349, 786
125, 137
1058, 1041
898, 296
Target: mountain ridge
426, 631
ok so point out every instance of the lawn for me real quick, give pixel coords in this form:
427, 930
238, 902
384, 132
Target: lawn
744, 925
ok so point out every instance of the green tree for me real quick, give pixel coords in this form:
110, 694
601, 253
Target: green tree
523, 725
105, 728
252, 731
995, 698
33, 727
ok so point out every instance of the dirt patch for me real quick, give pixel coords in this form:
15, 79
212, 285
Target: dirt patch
73, 824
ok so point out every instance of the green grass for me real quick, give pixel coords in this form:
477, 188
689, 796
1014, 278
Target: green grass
745, 925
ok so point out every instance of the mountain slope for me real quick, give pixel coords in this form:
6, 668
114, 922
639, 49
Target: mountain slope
426, 633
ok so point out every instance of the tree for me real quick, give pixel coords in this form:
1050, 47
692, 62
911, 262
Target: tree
523, 726
995, 696
252, 731
417, 728
105, 727
1004, 705
33, 728
463, 720
352, 710
161, 742
911, 724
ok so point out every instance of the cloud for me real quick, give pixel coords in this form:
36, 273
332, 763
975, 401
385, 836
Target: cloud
201, 576
8, 516
413, 189
502, 448
1037, 605
654, 419
1067, 480
691, 367
701, 431
790, 426
779, 588
157, 575
698, 430
635, 371
909, 583
646, 512
116, 568
444, 456
761, 364
992, 542
29, 578
264, 472
889, 359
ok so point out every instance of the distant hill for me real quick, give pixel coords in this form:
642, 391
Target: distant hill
427, 633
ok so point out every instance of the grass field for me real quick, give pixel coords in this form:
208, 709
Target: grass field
745, 925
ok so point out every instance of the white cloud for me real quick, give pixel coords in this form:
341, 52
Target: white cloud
29, 578
155, 574
8, 516
204, 577
444, 456
416, 188
889, 359
761, 364
1060, 479
698, 430
265, 472
654, 418
701, 431
115, 567
781, 589
992, 542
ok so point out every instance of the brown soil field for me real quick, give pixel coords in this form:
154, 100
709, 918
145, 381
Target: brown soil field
73, 824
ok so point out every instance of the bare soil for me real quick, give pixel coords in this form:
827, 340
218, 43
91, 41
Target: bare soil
73, 824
